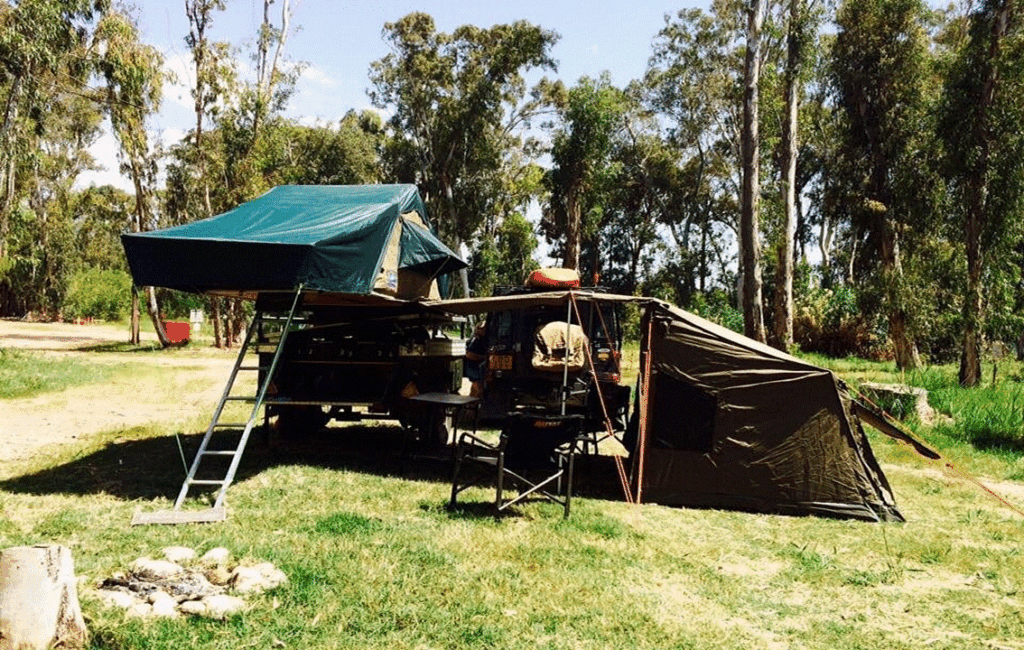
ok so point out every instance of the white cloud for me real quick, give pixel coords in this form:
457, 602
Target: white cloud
315, 75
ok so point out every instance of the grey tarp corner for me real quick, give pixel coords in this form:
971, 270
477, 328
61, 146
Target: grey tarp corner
330, 238
734, 424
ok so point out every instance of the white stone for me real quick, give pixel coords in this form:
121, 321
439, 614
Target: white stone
223, 606
149, 569
256, 579
140, 610
179, 554
121, 599
194, 607
164, 605
217, 555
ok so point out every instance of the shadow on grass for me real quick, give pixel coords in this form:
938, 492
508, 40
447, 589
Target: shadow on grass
152, 468
997, 442
122, 347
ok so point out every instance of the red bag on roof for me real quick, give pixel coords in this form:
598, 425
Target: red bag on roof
553, 278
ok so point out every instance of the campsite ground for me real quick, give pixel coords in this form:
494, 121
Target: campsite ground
375, 561
142, 394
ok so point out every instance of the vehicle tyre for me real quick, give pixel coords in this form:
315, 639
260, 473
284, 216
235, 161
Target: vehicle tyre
299, 422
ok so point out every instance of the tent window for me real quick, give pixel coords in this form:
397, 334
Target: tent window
683, 415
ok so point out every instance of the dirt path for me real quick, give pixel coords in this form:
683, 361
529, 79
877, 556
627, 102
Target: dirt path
159, 387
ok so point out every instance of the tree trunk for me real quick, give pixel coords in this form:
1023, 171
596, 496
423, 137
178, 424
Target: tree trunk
218, 339
783, 322
753, 317
134, 334
970, 358
906, 354
977, 199
154, 315
39, 599
904, 346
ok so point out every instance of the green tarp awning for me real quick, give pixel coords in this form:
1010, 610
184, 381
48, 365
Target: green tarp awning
325, 237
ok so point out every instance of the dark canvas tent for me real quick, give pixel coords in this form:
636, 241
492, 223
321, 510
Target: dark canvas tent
731, 423
351, 239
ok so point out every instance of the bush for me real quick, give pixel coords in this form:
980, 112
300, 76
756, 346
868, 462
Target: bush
104, 294
830, 322
717, 307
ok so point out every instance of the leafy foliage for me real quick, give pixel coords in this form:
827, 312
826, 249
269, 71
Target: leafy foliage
98, 293
457, 103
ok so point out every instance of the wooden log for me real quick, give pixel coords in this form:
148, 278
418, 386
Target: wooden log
39, 599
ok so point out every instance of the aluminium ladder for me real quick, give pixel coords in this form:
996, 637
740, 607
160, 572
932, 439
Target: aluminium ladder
218, 512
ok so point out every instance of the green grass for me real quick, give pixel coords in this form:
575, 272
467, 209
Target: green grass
26, 373
375, 560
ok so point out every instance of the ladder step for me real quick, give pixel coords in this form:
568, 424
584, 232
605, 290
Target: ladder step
206, 482
230, 425
253, 367
244, 398
220, 452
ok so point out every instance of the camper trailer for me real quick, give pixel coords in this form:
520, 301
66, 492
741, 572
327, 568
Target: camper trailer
336, 273
349, 363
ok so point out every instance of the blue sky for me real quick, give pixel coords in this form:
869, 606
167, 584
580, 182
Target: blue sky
338, 40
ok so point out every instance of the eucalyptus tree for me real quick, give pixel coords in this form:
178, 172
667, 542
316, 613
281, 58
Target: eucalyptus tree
505, 257
982, 125
212, 69
750, 191
693, 83
133, 85
458, 108
42, 46
802, 21
348, 154
99, 216
590, 116
880, 76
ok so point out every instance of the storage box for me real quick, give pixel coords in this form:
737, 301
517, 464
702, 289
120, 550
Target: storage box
177, 332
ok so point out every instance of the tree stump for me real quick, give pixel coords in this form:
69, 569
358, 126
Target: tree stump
39, 599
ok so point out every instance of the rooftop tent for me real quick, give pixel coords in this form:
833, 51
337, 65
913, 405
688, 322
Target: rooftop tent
732, 423
352, 239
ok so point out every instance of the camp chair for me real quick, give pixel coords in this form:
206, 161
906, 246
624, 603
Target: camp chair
558, 377
533, 452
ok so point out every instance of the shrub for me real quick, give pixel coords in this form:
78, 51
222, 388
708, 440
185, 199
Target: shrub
98, 293
830, 322
717, 307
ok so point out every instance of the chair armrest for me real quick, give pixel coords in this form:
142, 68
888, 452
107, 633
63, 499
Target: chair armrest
472, 439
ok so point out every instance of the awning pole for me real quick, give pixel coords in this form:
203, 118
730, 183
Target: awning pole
644, 403
568, 347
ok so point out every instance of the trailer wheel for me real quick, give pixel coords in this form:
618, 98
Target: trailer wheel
299, 422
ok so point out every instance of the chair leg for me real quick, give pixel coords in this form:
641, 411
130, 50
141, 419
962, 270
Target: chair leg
498, 503
455, 477
568, 480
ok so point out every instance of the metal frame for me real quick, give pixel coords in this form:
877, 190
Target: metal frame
491, 459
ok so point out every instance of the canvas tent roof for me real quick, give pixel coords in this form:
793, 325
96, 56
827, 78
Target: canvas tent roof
732, 423
329, 238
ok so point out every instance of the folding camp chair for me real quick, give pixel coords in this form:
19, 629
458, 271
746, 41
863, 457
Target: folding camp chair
533, 453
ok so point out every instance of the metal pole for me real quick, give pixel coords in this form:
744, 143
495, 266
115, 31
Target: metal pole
568, 346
